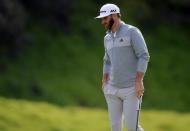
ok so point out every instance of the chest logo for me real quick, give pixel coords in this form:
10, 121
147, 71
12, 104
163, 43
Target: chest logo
121, 40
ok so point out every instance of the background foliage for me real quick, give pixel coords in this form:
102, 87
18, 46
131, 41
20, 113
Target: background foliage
52, 51
51, 64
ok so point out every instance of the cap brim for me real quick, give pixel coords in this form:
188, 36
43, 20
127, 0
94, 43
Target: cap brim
101, 16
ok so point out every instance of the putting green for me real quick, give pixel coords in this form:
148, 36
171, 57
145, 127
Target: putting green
21, 115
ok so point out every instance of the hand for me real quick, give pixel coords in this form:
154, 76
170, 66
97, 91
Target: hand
105, 79
139, 87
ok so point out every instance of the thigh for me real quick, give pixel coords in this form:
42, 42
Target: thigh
115, 108
130, 107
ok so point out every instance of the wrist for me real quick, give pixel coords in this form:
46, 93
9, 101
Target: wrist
139, 76
139, 80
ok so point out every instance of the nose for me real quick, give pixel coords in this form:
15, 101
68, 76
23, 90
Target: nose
102, 21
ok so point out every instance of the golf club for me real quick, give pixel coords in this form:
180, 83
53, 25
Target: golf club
138, 112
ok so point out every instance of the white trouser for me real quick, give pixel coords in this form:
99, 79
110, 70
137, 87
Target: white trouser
122, 103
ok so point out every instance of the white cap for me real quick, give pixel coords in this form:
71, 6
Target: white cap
108, 9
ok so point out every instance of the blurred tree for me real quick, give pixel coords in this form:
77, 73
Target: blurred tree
12, 22
171, 11
55, 12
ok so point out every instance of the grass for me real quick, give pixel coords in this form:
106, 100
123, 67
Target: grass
22, 115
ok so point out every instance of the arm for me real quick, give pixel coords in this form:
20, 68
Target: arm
142, 54
106, 69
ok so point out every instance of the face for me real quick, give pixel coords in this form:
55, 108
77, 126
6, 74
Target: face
107, 22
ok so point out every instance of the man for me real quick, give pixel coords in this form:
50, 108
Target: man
125, 63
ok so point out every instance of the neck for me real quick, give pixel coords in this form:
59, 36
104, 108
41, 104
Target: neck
116, 26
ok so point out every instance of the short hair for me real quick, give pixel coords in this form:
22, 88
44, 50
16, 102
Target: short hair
119, 15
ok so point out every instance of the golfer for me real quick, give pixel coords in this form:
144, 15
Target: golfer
125, 63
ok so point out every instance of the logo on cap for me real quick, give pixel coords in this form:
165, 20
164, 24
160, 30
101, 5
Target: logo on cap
113, 11
103, 11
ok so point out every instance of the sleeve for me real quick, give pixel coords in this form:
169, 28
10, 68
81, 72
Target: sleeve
106, 62
140, 49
